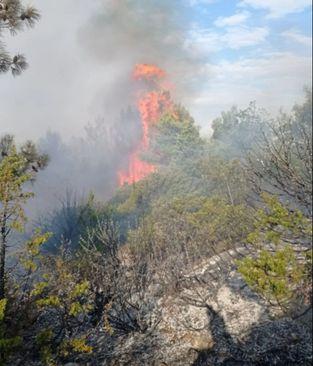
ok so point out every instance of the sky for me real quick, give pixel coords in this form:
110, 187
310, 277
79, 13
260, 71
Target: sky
217, 54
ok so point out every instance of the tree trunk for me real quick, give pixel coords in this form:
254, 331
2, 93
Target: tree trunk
229, 193
2, 261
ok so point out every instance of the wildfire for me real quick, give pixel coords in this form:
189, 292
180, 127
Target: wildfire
151, 106
148, 72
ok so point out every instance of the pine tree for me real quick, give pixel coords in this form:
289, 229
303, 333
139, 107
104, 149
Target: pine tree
17, 167
14, 17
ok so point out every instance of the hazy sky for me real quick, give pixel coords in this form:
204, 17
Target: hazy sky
218, 53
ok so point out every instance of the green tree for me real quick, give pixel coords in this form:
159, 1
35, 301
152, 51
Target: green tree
17, 168
14, 17
175, 139
280, 269
223, 178
190, 227
235, 132
281, 164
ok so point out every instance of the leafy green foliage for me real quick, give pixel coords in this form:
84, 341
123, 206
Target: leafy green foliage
222, 178
175, 139
108, 258
12, 196
43, 341
276, 271
76, 345
7, 344
33, 249
17, 168
236, 132
275, 275
70, 222
277, 224
195, 225
61, 292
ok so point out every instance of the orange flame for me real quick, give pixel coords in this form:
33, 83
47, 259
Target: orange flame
148, 72
152, 105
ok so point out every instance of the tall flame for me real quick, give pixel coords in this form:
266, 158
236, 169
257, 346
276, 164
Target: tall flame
151, 106
148, 72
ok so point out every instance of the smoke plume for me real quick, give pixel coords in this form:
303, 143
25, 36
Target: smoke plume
119, 35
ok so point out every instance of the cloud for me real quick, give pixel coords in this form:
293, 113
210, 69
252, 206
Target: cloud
274, 80
232, 20
200, 2
240, 37
77, 78
205, 41
296, 36
277, 8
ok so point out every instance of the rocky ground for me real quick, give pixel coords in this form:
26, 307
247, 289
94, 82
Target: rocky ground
212, 318
215, 319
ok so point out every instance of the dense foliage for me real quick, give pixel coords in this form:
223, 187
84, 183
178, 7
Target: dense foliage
97, 270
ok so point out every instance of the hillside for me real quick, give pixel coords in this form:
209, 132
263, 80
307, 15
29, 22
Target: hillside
206, 260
